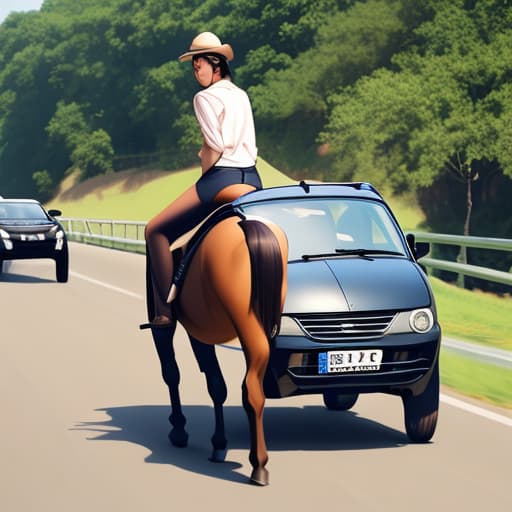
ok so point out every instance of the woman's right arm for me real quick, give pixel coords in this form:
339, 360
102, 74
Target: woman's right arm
209, 122
208, 156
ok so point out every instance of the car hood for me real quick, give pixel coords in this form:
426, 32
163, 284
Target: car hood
22, 225
355, 284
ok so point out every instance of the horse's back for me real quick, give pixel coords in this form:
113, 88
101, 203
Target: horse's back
216, 293
218, 281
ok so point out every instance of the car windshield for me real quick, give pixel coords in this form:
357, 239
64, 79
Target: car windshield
332, 226
21, 211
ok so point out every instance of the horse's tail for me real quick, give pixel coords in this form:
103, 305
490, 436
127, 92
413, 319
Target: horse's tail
266, 274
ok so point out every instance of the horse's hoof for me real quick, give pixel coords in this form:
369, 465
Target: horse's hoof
178, 438
259, 477
218, 455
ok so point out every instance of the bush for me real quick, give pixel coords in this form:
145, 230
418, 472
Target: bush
93, 154
44, 184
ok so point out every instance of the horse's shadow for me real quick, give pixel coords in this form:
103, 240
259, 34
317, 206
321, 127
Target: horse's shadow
286, 429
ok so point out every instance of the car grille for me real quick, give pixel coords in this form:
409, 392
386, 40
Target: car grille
344, 326
29, 229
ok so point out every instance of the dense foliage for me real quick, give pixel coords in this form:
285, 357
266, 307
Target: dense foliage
397, 92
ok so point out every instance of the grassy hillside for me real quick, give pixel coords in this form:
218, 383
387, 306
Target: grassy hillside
136, 194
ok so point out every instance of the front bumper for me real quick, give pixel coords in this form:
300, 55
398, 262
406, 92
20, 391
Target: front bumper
24, 250
406, 365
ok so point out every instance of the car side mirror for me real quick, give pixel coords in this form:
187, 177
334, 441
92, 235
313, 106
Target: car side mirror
54, 213
418, 249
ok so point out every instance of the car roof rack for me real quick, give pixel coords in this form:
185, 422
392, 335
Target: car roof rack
358, 185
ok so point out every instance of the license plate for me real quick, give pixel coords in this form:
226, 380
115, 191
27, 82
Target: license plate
345, 361
32, 238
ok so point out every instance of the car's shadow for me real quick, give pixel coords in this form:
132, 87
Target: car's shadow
286, 429
8, 276
24, 279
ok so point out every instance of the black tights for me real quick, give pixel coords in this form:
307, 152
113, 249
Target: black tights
216, 186
161, 231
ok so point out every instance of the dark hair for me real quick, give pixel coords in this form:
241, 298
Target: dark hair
216, 60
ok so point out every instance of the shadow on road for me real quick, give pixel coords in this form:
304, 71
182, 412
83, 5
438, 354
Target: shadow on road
286, 428
23, 279
7, 276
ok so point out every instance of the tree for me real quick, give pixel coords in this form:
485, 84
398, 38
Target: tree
93, 154
444, 109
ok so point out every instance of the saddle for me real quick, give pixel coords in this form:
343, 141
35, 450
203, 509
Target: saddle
184, 248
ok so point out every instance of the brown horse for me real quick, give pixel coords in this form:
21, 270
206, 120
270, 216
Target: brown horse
235, 287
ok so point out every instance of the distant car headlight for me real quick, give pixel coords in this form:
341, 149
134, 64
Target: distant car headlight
6, 240
421, 320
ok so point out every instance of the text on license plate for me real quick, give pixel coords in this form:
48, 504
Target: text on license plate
344, 361
31, 238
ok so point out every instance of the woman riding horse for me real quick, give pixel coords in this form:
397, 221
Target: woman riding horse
228, 159
236, 281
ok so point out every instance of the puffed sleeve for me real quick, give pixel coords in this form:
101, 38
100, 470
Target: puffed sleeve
209, 112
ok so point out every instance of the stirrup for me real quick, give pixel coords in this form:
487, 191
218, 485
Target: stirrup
158, 322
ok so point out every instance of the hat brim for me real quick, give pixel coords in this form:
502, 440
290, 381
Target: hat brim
224, 50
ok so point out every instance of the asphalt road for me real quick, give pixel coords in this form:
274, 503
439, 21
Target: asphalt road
84, 419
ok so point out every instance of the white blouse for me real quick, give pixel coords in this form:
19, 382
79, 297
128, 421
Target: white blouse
224, 113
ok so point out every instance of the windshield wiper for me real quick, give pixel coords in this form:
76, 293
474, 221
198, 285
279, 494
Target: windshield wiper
350, 252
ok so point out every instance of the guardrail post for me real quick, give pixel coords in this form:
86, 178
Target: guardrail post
462, 258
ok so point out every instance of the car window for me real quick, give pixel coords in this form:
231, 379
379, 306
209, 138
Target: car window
316, 226
21, 211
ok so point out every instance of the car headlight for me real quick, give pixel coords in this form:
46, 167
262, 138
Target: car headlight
59, 234
421, 320
6, 239
289, 327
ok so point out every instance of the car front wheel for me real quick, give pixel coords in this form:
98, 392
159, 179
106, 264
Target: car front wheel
338, 402
421, 411
62, 267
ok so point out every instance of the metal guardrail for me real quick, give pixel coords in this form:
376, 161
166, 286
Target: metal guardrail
499, 244
124, 232
131, 234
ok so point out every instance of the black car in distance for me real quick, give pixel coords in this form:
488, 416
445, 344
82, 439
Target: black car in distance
28, 231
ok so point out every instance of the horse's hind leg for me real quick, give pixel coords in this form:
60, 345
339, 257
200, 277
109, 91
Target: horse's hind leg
256, 349
209, 365
163, 339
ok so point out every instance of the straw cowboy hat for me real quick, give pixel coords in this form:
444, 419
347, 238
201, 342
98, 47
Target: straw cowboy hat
207, 42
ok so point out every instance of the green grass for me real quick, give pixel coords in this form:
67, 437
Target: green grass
473, 315
406, 210
136, 195
483, 381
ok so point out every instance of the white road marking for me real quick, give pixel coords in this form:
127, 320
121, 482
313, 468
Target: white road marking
474, 409
108, 286
454, 402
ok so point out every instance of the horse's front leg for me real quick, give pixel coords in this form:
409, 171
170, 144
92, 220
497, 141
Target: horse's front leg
163, 339
209, 365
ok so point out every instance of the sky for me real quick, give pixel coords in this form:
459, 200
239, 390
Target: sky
6, 6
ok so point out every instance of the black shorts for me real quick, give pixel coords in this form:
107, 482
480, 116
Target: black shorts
217, 178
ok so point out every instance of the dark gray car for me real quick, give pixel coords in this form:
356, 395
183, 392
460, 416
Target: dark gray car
359, 316
28, 231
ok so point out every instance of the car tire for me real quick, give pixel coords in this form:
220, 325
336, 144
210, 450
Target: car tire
339, 402
421, 411
62, 266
